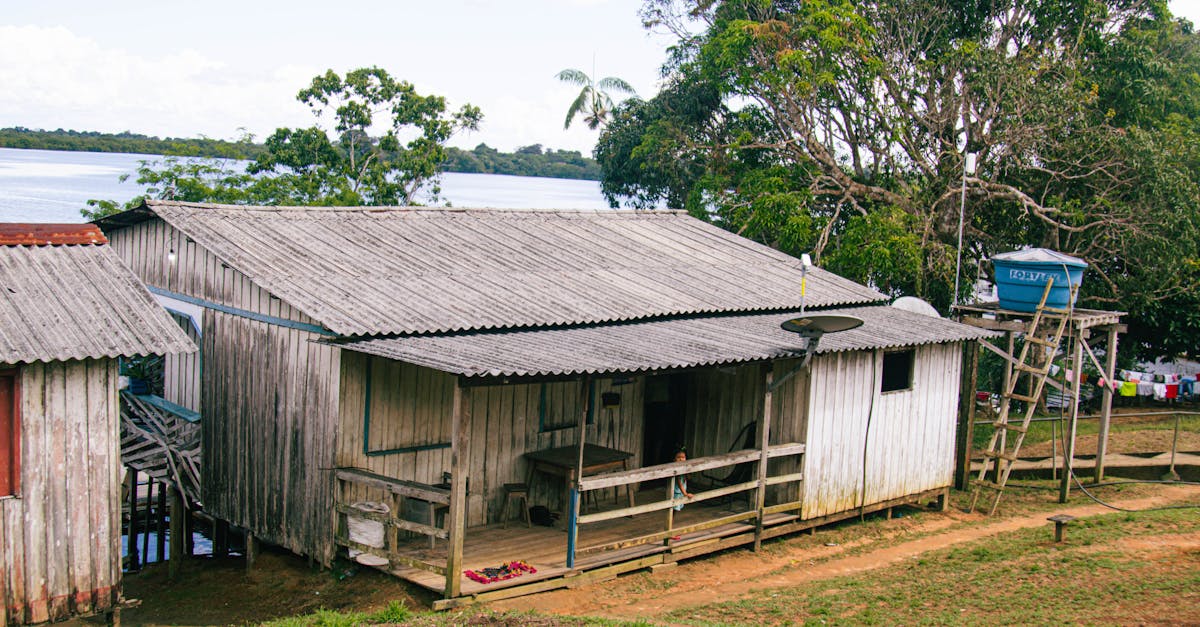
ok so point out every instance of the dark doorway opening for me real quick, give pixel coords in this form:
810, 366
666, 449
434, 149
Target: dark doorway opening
665, 406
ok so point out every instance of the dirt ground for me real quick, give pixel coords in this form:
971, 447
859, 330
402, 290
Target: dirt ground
212, 592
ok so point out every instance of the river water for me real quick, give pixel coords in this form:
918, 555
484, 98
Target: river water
52, 186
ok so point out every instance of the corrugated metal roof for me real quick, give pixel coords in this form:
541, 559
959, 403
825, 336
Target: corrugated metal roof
1040, 255
656, 345
78, 302
378, 271
48, 234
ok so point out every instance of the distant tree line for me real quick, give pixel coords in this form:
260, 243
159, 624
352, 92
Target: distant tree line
526, 161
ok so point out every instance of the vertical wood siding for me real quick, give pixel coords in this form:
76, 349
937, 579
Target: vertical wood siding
268, 396
910, 448
411, 405
181, 372
270, 401
59, 552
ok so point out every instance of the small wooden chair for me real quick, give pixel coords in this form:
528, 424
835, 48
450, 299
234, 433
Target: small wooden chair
513, 492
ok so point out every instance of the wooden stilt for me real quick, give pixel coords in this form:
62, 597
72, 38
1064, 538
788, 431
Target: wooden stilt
178, 532
160, 519
1110, 374
131, 543
251, 551
146, 522
220, 538
1064, 487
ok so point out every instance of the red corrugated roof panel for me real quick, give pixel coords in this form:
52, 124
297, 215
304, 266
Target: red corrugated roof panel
20, 234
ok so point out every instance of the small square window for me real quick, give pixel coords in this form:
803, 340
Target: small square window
897, 370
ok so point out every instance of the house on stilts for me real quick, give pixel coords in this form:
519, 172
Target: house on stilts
68, 310
452, 367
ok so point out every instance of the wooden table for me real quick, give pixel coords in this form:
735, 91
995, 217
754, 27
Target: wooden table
563, 461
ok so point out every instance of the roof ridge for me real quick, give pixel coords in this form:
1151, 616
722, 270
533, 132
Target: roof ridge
414, 209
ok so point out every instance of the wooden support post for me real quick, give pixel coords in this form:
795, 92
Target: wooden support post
159, 523
146, 525
456, 524
220, 538
131, 545
574, 496
1064, 487
179, 526
251, 550
764, 443
1109, 374
1008, 387
966, 414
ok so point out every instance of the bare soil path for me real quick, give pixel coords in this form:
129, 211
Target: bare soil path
738, 573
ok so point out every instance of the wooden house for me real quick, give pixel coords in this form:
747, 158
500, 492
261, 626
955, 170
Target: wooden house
449, 363
68, 310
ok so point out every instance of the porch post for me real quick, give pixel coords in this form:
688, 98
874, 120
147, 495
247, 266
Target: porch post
1109, 374
966, 414
574, 497
1064, 488
460, 427
764, 431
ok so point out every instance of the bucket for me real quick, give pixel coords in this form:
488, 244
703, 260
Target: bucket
1021, 278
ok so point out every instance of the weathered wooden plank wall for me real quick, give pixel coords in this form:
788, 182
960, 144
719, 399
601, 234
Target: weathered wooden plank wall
721, 402
59, 552
268, 395
181, 372
195, 272
410, 406
270, 400
911, 443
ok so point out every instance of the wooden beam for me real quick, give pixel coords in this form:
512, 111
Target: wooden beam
1064, 488
667, 503
1010, 361
179, 516
760, 496
422, 491
663, 535
251, 550
460, 427
574, 493
993, 325
691, 466
1110, 373
966, 414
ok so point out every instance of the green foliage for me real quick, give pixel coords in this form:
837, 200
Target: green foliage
126, 142
843, 126
526, 161
594, 101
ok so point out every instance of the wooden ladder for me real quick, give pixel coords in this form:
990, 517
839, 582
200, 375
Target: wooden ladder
999, 448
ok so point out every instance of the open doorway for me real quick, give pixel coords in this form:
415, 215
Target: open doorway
665, 407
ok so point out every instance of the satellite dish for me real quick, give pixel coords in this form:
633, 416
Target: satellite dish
915, 305
821, 323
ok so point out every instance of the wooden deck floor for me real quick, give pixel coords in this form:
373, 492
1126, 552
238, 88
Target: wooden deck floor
545, 548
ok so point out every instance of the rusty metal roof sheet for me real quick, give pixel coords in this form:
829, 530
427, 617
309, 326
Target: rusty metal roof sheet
656, 345
380, 270
76, 302
47, 234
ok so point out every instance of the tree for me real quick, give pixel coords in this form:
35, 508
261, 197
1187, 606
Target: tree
853, 119
344, 165
593, 101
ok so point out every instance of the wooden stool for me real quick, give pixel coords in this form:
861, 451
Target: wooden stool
513, 492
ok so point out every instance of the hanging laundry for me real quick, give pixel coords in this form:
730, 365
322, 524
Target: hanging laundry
1145, 388
1160, 391
1172, 390
1128, 388
1172, 378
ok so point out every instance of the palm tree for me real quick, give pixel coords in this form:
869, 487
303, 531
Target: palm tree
593, 100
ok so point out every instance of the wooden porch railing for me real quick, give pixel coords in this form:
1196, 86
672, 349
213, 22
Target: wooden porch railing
673, 471
394, 522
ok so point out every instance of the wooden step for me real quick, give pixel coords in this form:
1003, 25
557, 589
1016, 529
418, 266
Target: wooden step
1010, 427
1012, 457
1031, 369
1038, 340
1023, 397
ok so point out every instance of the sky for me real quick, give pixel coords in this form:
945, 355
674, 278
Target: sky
186, 69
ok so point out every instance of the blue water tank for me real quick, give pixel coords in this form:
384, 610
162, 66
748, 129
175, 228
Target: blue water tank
1021, 278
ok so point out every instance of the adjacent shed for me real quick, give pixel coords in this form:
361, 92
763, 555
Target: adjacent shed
443, 361
68, 310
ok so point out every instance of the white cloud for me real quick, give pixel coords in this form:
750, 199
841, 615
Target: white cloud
54, 78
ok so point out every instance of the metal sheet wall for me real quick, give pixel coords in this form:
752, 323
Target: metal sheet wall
59, 540
910, 445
